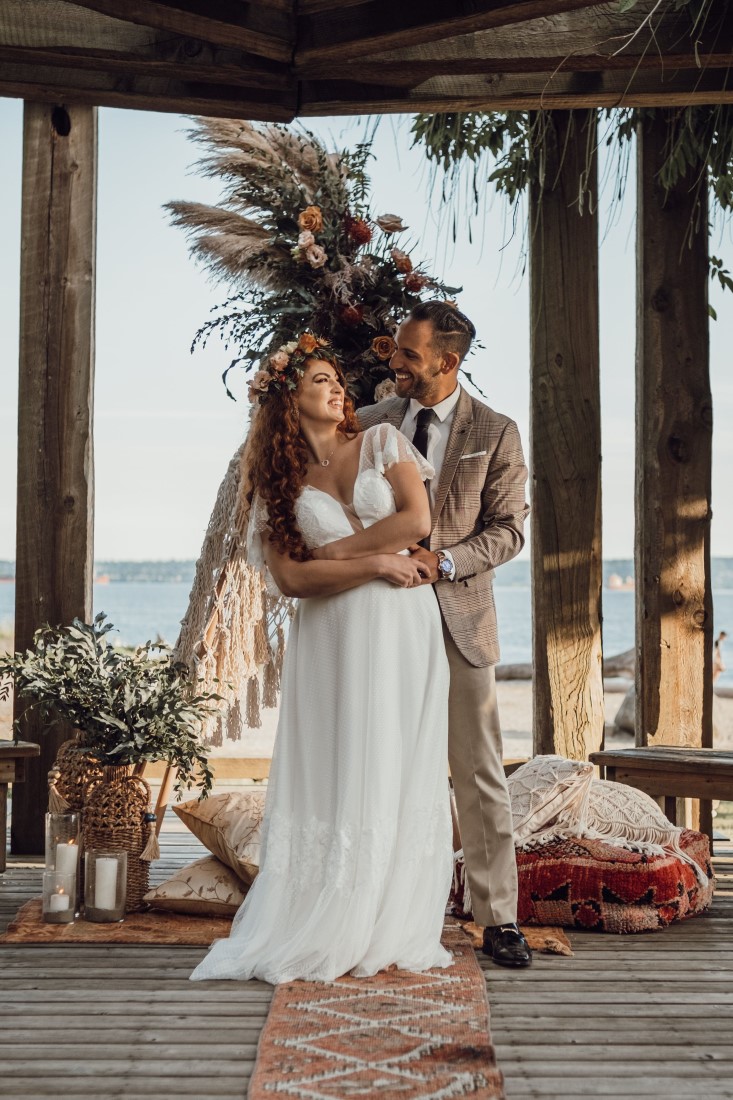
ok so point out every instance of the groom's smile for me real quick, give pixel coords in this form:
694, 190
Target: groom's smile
420, 370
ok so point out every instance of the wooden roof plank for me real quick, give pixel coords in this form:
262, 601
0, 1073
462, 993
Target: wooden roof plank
410, 74
349, 32
146, 63
144, 94
233, 23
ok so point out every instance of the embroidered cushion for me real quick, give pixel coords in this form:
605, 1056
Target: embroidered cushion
548, 794
229, 825
594, 885
590, 884
206, 888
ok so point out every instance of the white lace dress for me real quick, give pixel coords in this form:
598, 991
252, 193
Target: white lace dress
356, 857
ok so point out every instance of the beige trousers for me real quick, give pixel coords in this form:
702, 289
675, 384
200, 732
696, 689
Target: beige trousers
479, 783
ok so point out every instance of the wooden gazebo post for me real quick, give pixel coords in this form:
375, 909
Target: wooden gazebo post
674, 619
566, 441
54, 555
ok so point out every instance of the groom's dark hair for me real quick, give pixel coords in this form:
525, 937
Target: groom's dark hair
452, 330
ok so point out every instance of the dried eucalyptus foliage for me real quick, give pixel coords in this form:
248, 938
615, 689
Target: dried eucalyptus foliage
131, 707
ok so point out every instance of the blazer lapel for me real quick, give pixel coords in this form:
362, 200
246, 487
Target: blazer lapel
462, 421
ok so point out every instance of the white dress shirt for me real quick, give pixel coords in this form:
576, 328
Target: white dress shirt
438, 434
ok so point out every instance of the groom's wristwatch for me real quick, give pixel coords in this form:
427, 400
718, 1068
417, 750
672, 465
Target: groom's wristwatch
445, 566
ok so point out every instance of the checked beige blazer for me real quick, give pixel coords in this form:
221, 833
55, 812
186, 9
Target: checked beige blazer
478, 515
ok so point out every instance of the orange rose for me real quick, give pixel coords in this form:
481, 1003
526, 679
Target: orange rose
384, 347
311, 219
307, 343
402, 261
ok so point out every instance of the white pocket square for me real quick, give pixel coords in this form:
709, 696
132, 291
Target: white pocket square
473, 454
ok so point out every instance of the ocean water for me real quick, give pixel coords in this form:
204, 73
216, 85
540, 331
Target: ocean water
142, 610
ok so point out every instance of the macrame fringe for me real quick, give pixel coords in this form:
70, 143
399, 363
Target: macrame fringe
460, 881
270, 685
151, 851
252, 713
57, 804
225, 634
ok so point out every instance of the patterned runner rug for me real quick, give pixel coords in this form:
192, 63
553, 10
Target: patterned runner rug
397, 1035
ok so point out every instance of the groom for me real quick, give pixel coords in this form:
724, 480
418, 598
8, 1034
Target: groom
478, 507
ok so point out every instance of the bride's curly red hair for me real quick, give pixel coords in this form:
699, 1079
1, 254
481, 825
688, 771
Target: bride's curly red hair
276, 463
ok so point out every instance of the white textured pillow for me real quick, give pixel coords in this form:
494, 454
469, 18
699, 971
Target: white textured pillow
548, 794
625, 813
206, 888
230, 826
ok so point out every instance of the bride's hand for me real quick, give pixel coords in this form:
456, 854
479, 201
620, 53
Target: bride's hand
402, 571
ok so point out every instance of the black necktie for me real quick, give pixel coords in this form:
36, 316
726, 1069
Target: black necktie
420, 440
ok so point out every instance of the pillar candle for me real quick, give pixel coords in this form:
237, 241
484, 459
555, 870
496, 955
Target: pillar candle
66, 857
57, 903
105, 883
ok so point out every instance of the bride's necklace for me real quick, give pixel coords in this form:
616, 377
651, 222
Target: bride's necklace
327, 460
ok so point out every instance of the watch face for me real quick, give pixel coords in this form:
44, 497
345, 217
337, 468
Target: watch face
444, 567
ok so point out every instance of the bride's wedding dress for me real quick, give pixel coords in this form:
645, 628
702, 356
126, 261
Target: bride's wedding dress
356, 857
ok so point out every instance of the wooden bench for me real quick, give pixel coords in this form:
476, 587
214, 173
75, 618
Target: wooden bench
668, 773
13, 755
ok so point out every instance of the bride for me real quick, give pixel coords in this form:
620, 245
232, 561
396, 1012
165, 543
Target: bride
356, 856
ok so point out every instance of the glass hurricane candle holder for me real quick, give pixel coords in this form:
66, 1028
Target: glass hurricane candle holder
59, 897
62, 843
105, 885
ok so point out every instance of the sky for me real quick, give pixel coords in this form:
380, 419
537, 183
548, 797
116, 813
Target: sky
165, 429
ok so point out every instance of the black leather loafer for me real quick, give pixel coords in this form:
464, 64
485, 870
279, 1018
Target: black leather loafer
506, 945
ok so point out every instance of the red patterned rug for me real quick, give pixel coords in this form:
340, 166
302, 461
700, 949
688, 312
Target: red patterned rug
397, 1035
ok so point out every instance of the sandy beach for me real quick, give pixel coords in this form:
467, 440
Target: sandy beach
515, 708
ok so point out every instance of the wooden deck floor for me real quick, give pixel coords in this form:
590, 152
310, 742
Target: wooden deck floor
641, 1016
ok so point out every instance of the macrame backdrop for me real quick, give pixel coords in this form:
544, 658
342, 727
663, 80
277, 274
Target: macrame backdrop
232, 637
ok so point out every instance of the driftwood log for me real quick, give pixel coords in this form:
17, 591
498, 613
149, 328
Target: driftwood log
622, 664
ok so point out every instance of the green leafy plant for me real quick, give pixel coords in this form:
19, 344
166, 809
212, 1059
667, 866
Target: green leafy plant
131, 706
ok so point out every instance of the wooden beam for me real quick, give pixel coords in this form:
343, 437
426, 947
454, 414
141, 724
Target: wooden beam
520, 91
54, 556
566, 441
141, 94
410, 74
205, 65
350, 31
674, 612
266, 30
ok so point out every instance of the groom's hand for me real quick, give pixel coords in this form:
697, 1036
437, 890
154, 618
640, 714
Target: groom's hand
429, 560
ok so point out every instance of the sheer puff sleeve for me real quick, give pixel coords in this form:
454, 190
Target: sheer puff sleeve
256, 533
384, 446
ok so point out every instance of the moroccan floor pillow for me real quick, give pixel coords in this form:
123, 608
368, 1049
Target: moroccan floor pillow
582, 883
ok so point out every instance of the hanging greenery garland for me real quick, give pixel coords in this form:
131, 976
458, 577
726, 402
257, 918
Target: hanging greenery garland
295, 237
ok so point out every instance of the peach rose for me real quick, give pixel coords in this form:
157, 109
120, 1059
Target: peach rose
311, 219
316, 256
279, 360
386, 388
390, 223
306, 239
402, 261
384, 347
307, 343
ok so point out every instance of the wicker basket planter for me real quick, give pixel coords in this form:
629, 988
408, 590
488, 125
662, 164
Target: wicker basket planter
74, 772
116, 818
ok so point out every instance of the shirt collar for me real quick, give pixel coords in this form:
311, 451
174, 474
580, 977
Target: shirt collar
442, 410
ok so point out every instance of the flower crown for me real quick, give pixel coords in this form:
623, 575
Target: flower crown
286, 366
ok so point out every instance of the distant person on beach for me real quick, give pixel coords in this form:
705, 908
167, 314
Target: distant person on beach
478, 512
718, 665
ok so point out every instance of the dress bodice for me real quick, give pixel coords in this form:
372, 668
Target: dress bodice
322, 518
